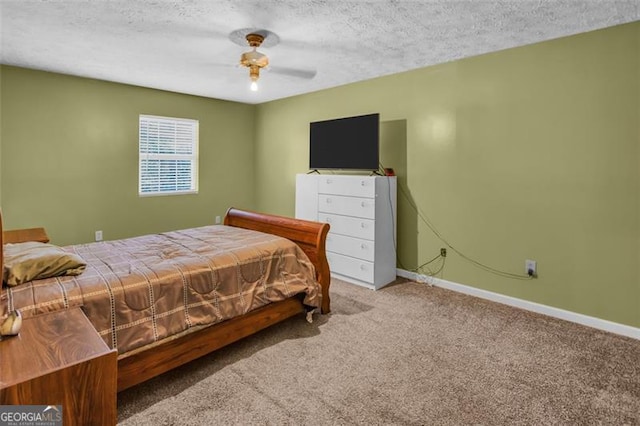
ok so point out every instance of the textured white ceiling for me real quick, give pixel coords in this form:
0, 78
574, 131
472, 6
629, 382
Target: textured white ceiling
190, 46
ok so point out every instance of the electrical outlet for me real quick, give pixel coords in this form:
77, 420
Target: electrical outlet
443, 252
218, 220
531, 268
98, 235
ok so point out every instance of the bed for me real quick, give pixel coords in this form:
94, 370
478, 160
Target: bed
279, 295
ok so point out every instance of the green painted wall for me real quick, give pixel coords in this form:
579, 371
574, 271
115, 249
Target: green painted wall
70, 159
530, 152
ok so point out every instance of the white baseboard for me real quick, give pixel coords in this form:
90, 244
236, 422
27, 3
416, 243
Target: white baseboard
612, 327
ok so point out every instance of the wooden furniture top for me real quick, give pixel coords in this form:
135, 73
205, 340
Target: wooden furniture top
48, 343
23, 235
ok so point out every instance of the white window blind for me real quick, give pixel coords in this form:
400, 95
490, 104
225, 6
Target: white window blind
168, 149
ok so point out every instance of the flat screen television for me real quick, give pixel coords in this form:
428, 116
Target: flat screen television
349, 143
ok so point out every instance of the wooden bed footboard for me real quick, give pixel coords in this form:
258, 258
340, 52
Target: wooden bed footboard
309, 236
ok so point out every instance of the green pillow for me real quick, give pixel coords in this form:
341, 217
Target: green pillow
32, 261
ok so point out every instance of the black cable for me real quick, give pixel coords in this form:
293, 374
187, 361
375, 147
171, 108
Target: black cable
444, 260
393, 216
458, 252
426, 263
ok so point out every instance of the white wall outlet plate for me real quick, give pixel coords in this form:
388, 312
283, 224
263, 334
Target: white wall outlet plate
98, 235
218, 220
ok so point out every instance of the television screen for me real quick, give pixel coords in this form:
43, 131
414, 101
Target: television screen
345, 143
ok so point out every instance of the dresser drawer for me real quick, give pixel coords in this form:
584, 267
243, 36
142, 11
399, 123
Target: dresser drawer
354, 247
351, 186
351, 226
348, 206
351, 267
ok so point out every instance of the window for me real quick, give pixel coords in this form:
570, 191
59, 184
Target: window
168, 149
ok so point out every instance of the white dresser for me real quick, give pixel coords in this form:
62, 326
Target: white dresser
362, 213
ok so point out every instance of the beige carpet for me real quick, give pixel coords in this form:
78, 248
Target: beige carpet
407, 354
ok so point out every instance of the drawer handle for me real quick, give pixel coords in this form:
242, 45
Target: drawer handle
362, 183
363, 204
363, 225
363, 246
328, 181
328, 220
328, 200
362, 267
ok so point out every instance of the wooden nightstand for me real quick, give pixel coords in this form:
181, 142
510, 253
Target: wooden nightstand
23, 235
59, 359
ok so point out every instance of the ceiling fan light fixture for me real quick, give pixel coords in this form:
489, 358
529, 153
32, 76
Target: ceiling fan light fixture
254, 60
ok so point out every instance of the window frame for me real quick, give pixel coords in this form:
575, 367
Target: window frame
193, 157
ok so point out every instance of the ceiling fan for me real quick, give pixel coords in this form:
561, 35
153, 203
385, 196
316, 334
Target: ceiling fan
256, 61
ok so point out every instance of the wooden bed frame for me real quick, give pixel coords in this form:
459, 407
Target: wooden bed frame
140, 365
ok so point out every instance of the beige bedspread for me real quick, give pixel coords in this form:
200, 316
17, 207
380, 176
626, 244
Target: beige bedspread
140, 290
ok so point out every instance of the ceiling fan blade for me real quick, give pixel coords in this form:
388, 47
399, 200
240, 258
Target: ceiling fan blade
220, 65
292, 72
